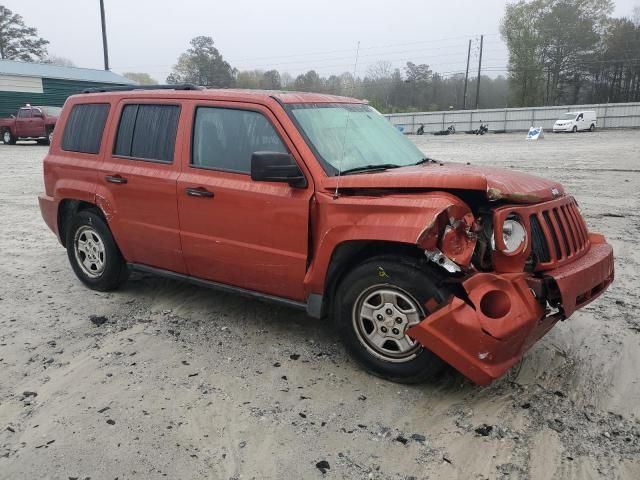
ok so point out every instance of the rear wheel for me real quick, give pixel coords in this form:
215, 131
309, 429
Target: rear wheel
93, 253
592, 128
8, 138
376, 303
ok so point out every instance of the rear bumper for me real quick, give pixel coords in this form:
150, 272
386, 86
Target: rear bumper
484, 337
49, 211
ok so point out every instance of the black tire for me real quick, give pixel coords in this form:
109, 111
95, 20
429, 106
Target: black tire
574, 129
398, 273
88, 224
8, 138
592, 128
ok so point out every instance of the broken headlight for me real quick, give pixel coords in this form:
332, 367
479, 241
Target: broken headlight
514, 236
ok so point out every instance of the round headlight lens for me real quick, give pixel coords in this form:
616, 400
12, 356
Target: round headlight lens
513, 234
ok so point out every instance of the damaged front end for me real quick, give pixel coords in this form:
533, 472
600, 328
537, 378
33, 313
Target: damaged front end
518, 269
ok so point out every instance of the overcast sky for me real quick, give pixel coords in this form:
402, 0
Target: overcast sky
288, 35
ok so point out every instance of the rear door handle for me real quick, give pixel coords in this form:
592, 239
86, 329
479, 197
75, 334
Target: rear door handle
198, 192
115, 179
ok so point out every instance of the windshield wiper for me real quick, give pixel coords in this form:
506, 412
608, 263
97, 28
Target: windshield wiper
425, 160
370, 168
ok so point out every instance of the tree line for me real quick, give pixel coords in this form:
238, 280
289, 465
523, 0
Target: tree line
570, 52
560, 52
413, 88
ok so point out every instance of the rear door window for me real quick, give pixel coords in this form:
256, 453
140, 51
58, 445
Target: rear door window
84, 128
225, 139
147, 132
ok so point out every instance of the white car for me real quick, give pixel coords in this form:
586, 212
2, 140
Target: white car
575, 121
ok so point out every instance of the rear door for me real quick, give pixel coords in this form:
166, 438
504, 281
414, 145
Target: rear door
235, 231
37, 122
139, 176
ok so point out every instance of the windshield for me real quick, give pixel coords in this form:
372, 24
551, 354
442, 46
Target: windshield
353, 136
52, 111
568, 116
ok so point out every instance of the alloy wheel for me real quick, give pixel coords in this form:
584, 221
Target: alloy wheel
89, 251
381, 316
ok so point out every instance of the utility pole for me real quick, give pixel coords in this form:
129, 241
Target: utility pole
105, 48
479, 69
466, 79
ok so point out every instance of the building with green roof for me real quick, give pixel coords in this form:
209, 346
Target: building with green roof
24, 83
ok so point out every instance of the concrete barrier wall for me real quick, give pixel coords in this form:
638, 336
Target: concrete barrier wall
611, 115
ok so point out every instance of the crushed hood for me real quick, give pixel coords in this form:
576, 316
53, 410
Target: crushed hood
497, 183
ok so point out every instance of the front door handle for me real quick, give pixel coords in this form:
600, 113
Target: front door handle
198, 192
115, 179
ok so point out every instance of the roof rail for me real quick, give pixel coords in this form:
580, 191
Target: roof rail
126, 88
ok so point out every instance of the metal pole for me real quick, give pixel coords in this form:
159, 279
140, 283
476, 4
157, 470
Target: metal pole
105, 48
479, 69
466, 79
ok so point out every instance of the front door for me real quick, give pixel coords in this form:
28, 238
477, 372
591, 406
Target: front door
138, 176
24, 126
235, 231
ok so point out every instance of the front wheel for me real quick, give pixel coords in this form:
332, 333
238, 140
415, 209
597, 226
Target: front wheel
377, 302
93, 253
8, 138
574, 129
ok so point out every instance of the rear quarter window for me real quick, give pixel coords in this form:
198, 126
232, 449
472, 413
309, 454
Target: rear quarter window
147, 132
84, 128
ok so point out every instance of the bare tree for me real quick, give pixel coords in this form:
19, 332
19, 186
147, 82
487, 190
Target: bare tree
17, 41
59, 61
141, 77
380, 70
286, 79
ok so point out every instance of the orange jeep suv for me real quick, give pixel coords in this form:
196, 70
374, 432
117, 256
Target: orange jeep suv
318, 202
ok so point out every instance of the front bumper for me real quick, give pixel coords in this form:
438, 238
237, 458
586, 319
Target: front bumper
502, 317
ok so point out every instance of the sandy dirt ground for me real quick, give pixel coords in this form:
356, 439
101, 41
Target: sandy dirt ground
182, 382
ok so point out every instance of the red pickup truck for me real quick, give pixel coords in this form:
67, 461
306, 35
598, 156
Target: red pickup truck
32, 123
318, 202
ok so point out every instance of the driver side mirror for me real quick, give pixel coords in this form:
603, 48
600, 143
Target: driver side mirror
276, 167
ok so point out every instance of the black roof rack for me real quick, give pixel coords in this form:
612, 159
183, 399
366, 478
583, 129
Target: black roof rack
126, 88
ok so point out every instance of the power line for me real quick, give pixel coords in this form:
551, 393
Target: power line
242, 62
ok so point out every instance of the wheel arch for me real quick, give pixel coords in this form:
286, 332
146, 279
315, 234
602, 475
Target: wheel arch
7, 128
67, 209
350, 253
